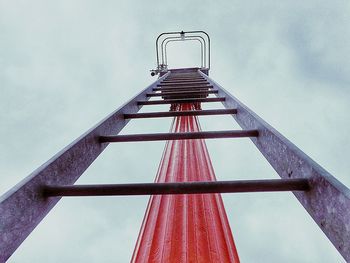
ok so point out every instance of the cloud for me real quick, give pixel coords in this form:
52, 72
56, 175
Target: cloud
65, 65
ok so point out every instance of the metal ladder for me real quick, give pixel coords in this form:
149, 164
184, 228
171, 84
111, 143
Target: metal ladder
323, 196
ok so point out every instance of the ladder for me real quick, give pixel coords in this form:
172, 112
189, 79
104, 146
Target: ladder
325, 198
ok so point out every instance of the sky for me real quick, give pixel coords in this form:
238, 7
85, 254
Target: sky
64, 65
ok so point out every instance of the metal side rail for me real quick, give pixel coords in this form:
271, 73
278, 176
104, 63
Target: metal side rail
23, 207
328, 201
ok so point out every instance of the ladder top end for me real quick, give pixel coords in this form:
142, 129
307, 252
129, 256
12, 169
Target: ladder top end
185, 70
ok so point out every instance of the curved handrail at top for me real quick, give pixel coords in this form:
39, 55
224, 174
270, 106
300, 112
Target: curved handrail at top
179, 38
190, 39
182, 33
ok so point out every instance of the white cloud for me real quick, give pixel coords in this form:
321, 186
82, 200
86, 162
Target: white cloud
65, 65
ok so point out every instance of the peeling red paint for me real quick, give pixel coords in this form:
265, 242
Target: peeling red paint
185, 228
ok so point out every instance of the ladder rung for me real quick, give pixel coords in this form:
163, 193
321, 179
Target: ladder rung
184, 80
204, 92
184, 77
179, 136
239, 186
170, 84
156, 102
179, 113
183, 88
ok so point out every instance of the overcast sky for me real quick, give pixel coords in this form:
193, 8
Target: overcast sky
64, 65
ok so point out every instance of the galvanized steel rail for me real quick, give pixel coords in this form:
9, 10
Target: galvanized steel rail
328, 201
24, 206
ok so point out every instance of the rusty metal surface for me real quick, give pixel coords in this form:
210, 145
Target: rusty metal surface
179, 136
179, 113
203, 187
23, 207
328, 201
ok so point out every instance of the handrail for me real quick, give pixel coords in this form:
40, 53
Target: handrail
182, 33
188, 38
176, 40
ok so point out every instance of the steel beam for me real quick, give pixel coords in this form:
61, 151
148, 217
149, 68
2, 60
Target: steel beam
23, 207
240, 186
179, 113
156, 102
328, 202
179, 136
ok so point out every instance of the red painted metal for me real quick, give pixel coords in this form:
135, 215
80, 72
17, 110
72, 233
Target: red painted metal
185, 228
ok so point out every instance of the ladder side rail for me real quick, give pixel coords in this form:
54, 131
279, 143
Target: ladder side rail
23, 207
328, 201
